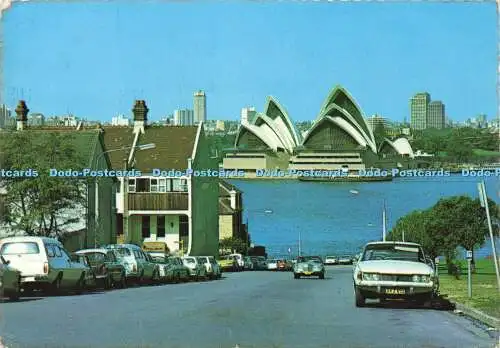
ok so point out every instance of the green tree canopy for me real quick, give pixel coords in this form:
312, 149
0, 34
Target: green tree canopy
39, 205
234, 244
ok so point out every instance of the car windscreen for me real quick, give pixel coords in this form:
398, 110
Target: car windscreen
20, 248
95, 258
393, 252
123, 252
309, 259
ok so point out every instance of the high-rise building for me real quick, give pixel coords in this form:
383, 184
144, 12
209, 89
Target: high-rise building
248, 114
220, 126
5, 117
36, 119
120, 120
200, 107
482, 121
183, 117
377, 120
435, 115
418, 110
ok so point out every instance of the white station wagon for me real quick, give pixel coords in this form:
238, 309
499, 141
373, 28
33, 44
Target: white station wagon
388, 270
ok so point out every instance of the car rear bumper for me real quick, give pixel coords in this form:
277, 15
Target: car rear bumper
310, 274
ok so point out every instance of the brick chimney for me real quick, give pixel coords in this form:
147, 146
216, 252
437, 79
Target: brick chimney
140, 111
22, 115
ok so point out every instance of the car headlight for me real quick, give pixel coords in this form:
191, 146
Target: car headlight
421, 278
371, 276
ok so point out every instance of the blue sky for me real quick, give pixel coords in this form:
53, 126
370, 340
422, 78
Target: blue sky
94, 58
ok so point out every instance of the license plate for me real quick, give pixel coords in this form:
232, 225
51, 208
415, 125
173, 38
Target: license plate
395, 291
308, 273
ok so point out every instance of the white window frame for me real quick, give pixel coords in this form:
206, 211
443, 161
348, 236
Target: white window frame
132, 187
154, 187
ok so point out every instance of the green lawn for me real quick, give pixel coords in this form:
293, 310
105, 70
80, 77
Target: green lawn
485, 153
485, 295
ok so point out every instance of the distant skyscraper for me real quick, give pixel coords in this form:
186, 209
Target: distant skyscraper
247, 114
120, 120
36, 119
200, 107
183, 117
5, 116
375, 120
435, 115
482, 121
418, 110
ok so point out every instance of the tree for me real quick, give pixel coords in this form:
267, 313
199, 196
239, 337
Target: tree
415, 227
39, 205
234, 244
379, 133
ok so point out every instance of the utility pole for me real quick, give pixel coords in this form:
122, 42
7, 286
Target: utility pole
483, 198
384, 232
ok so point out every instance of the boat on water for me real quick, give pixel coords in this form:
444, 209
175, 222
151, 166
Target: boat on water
346, 178
354, 192
268, 211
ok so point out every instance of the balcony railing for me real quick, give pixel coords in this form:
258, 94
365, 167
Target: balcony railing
158, 201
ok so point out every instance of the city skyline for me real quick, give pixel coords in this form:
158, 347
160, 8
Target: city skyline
384, 67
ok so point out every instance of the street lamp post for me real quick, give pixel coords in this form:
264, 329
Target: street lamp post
96, 183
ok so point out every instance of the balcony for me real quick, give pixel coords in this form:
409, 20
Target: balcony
158, 201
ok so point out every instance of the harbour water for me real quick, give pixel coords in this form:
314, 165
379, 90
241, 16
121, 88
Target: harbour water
338, 218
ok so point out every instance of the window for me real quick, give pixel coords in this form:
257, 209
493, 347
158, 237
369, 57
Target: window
50, 251
142, 185
154, 185
146, 231
131, 185
160, 223
20, 248
176, 185
58, 251
111, 256
162, 185
63, 253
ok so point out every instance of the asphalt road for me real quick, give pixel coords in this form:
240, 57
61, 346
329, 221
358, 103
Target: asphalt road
248, 309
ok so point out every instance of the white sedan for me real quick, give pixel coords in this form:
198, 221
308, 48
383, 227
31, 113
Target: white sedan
388, 270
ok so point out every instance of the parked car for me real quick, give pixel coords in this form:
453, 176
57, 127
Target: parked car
151, 269
259, 263
10, 281
197, 269
108, 270
284, 265
182, 273
239, 259
166, 270
229, 263
248, 264
272, 265
44, 264
388, 270
90, 277
132, 257
211, 266
309, 266
331, 260
346, 260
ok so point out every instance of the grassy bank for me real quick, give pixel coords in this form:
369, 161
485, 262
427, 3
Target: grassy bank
485, 296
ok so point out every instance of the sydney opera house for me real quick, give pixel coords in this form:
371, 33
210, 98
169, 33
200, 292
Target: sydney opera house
340, 138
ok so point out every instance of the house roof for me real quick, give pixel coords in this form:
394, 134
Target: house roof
174, 145
225, 188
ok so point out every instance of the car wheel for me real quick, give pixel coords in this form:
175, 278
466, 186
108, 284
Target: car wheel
80, 285
55, 287
14, 296
107, 283
296, 276
140, 279
123, 281
322, 275
360, 299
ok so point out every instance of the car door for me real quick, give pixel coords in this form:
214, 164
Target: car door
71, 270
115, 269
149, 266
